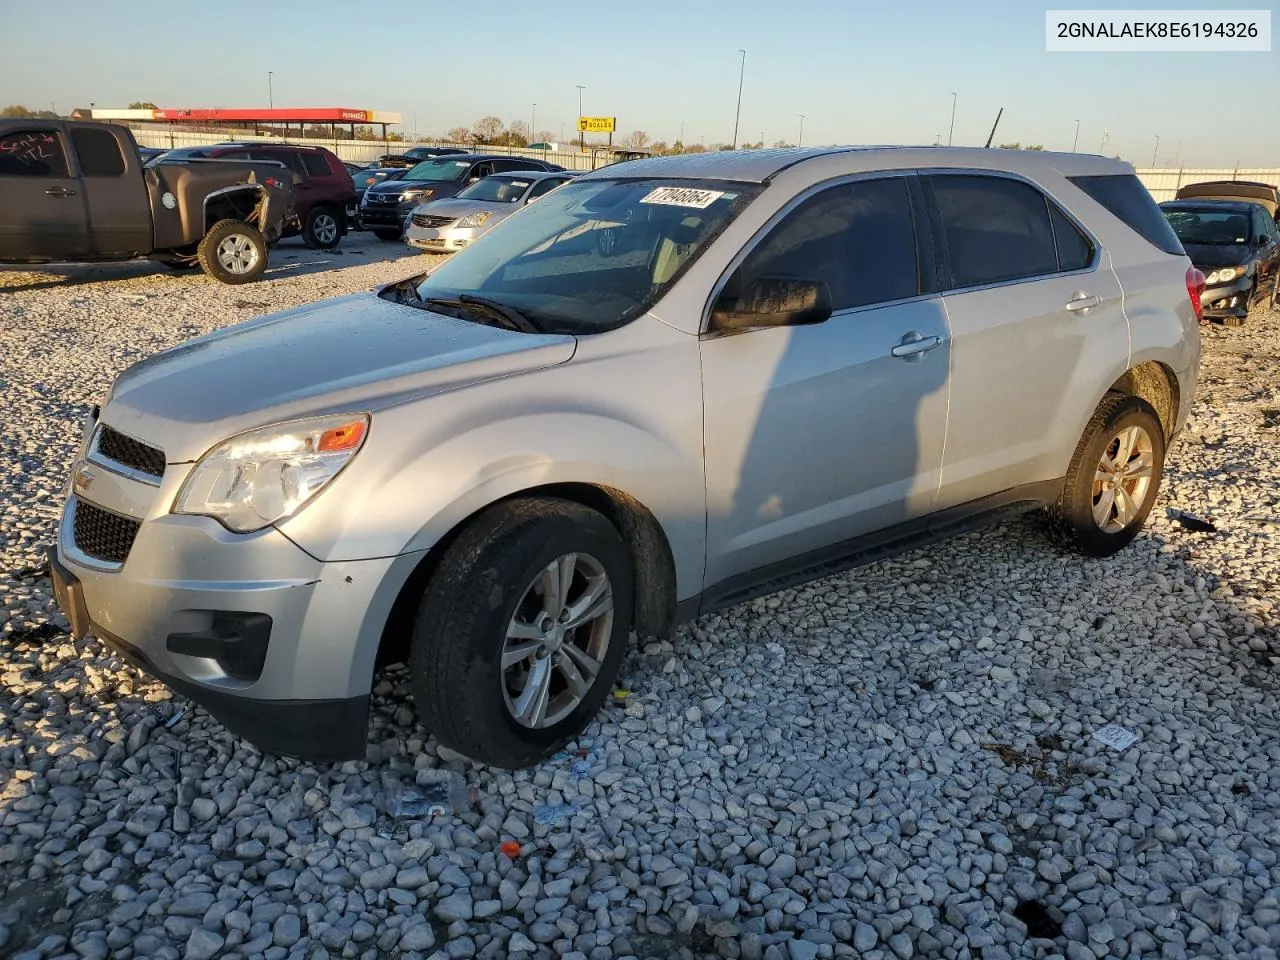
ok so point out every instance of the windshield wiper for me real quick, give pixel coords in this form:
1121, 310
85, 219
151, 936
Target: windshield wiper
508, 317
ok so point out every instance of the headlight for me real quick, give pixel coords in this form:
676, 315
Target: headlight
472, 220
416, 194
254, 479
1225, 275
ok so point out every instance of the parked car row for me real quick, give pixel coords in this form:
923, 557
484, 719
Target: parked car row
1231, 231
446, 226
387, 204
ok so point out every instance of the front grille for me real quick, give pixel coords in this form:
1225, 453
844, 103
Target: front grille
384, 199
424, 220
103, 535
132, 453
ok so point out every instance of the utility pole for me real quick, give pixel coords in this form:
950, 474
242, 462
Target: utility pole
271, 97
953, 118
1077, 137
742, 69
1155, 150
582, 134
533, 116
800, 142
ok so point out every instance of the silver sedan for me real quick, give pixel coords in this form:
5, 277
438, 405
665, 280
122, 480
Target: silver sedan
444, 226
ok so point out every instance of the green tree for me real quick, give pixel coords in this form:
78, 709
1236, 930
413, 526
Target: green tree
143, 105
16, 110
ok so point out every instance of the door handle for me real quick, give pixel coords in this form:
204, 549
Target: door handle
914, 344
60, 192
1082, 301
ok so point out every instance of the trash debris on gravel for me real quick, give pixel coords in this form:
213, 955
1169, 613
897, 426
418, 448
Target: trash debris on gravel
1192, 522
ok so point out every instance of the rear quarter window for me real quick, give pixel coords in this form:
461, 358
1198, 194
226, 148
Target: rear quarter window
1125, 196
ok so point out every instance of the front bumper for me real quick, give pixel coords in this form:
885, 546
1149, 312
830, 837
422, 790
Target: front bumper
384, 216
277, 645
441, 239
1227, 299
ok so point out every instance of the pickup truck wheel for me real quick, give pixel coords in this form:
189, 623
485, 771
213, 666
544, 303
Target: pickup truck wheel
322, 231
233, 252
388, 235
521, 630
1114, 476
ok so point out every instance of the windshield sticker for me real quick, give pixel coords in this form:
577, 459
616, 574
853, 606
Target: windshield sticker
683, 197
520, 183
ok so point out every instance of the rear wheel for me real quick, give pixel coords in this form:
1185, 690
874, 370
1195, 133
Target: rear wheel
384, 234
233, 252
1114, 476
521, 631
322, 229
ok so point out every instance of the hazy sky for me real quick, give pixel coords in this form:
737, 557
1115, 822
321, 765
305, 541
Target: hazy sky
860, 72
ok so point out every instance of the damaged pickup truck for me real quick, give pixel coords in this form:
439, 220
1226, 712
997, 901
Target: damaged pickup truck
76, 191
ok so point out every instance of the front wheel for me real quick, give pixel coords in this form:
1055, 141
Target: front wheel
233, 252
522, 630
321, 229
1114, 476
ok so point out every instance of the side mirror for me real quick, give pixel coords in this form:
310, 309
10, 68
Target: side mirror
774, 302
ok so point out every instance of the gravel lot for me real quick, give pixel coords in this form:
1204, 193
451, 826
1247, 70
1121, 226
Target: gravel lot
899, 762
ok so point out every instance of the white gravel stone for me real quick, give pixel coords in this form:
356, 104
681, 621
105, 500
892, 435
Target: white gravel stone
887, 761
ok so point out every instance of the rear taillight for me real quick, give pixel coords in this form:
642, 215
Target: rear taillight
1195, 287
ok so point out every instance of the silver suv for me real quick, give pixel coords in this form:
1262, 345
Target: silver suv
667, 387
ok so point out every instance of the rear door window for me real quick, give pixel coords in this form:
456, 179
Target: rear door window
858, 238
502, 166
1126, 197
98, 152
996, 229
315, 164
35, 152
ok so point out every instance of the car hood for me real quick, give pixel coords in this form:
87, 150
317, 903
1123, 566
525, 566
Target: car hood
1216, 255
462, 208
352, 354
447, 187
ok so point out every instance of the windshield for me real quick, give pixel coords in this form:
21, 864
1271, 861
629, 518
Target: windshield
497, 189
595, 254
1204, 225
439, 170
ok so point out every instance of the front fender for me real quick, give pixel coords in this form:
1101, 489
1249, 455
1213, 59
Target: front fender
599, 419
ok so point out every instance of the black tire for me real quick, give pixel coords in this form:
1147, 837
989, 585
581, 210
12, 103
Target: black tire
486, 575
225, 230
382, 233
322, 229
1075, 509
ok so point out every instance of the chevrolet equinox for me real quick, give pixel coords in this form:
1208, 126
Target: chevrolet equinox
669, 386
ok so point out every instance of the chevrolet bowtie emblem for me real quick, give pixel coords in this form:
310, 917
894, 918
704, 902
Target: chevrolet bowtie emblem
82, 478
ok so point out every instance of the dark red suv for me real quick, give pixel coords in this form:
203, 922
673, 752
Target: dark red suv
322, 197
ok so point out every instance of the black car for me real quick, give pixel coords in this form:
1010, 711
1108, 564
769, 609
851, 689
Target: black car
1236, 245
386, 204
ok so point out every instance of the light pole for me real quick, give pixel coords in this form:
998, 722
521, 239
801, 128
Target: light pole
681, 136
1155, 150
533, 116
742, 69
800, 142
582, 134
953, 118
1077, 137
271, 97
